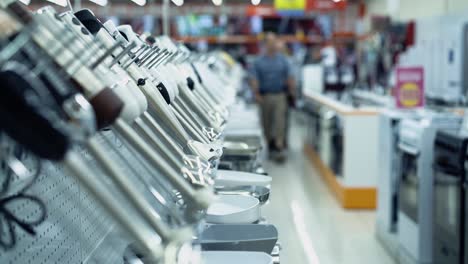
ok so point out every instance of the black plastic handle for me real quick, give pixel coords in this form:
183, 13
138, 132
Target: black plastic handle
190, 83
89, 20
163, 90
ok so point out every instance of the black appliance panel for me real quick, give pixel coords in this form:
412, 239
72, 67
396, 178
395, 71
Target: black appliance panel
337, 146
449, 200
409, 185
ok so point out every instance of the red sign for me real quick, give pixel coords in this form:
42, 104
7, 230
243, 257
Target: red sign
409, 92
326, 5
262, 10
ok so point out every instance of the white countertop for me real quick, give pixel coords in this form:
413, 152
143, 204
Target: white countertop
342, 108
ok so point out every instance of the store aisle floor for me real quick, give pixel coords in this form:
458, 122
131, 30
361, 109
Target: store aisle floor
313, 227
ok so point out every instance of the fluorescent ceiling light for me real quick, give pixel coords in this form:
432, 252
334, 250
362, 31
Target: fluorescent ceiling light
178, 2
256, 2
26, 2
99, 2
336, 1
217, 2
139, 2
59, 2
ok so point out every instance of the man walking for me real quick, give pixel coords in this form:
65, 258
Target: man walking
271, 82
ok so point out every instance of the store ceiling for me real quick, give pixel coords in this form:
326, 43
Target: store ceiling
187, 2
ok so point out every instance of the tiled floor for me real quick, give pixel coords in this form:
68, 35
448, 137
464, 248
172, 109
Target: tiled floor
313, 227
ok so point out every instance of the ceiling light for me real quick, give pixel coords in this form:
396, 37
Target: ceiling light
99, 2
59, 2
178, 2
256, 2
217, 2
26, 2
336, 1
139, 2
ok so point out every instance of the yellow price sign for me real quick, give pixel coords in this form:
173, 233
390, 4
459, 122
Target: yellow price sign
410, 95
290, 4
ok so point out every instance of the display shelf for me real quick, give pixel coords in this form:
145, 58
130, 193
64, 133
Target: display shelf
348, 197
354, 181
243, 39
252, 39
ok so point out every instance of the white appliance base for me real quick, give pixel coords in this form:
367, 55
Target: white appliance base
236, 257
388, 240
228, 178
234, 209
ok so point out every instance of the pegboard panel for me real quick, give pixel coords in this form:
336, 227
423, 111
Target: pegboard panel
76, 229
